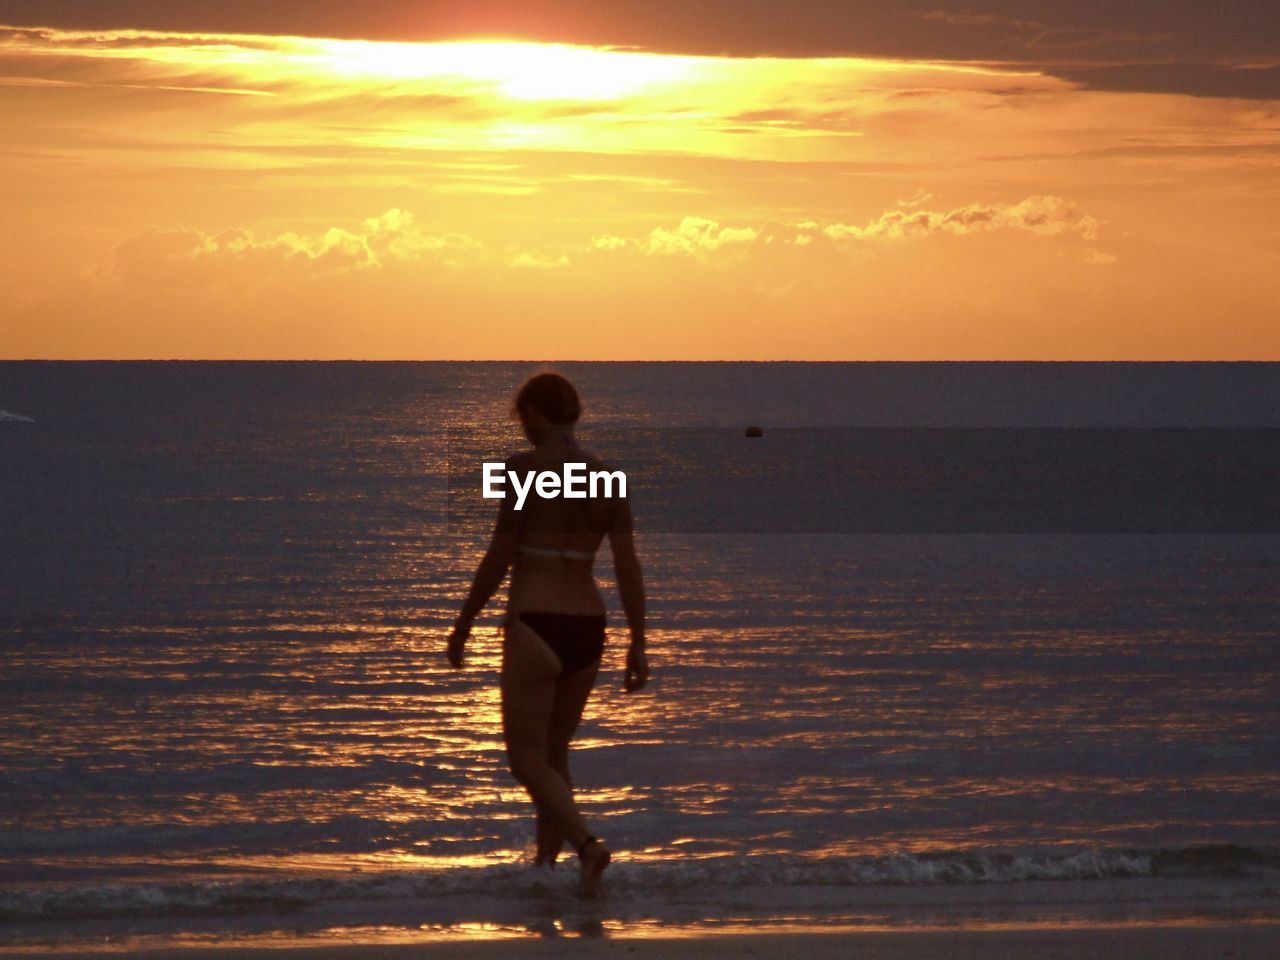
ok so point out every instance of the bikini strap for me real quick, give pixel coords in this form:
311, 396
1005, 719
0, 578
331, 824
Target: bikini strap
555, 553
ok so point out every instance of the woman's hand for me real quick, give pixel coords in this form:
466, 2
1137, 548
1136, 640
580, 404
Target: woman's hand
637, 670
457, 640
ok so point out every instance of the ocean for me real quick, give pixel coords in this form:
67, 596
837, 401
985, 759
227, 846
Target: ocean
950, 644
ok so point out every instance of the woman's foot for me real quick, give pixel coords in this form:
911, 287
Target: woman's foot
594, 856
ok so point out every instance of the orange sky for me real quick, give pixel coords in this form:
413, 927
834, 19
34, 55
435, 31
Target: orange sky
236, 195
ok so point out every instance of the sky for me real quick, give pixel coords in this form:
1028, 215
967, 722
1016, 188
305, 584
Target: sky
652, 180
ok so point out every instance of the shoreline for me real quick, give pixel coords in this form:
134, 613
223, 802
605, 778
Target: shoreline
1173, 940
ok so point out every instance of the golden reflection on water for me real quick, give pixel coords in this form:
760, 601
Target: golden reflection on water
749, 931
365, 683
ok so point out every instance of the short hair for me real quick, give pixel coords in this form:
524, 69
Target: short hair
550, 395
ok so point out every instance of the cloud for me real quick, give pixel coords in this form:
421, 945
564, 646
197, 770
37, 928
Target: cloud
917, 198
205, 35
160, 256
698, 235
183, 256
1045, 216
394, 236
695, 236
1035, 34
537, 261
610, 242
1205, 78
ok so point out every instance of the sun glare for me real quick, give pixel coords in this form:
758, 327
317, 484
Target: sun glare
516, 69
519, 70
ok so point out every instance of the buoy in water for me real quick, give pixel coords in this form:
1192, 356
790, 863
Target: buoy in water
754, 431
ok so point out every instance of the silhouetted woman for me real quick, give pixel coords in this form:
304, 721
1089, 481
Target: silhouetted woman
554, 629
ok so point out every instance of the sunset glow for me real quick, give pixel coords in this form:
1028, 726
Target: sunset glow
236, 195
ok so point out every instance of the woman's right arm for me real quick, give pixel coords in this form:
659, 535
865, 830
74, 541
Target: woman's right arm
489, 576
626, 566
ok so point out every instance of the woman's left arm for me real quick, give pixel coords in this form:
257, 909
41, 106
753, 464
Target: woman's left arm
489, 576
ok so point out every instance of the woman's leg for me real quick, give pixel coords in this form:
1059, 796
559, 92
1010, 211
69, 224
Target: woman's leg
536, 700
529, 674
550, 841
571, 694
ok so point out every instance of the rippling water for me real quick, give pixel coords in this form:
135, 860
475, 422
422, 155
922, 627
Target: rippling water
225, 592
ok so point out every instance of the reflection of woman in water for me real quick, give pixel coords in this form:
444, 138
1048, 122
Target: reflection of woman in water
553, 634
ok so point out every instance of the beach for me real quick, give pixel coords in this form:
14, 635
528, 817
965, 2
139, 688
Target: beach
1165, 942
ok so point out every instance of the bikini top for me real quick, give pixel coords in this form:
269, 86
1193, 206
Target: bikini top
555, 553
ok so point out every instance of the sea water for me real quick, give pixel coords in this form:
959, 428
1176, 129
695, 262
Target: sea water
226, 712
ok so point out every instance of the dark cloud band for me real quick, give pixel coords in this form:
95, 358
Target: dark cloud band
1179, 46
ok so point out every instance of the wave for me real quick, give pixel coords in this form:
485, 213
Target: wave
631, 881
17, 417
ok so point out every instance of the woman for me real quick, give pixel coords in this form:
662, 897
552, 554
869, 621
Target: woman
553, 633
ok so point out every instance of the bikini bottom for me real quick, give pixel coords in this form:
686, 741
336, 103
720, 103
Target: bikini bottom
576, 638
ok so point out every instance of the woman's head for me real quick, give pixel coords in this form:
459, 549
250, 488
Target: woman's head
549, 397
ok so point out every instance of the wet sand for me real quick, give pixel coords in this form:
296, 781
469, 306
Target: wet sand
1255, 941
